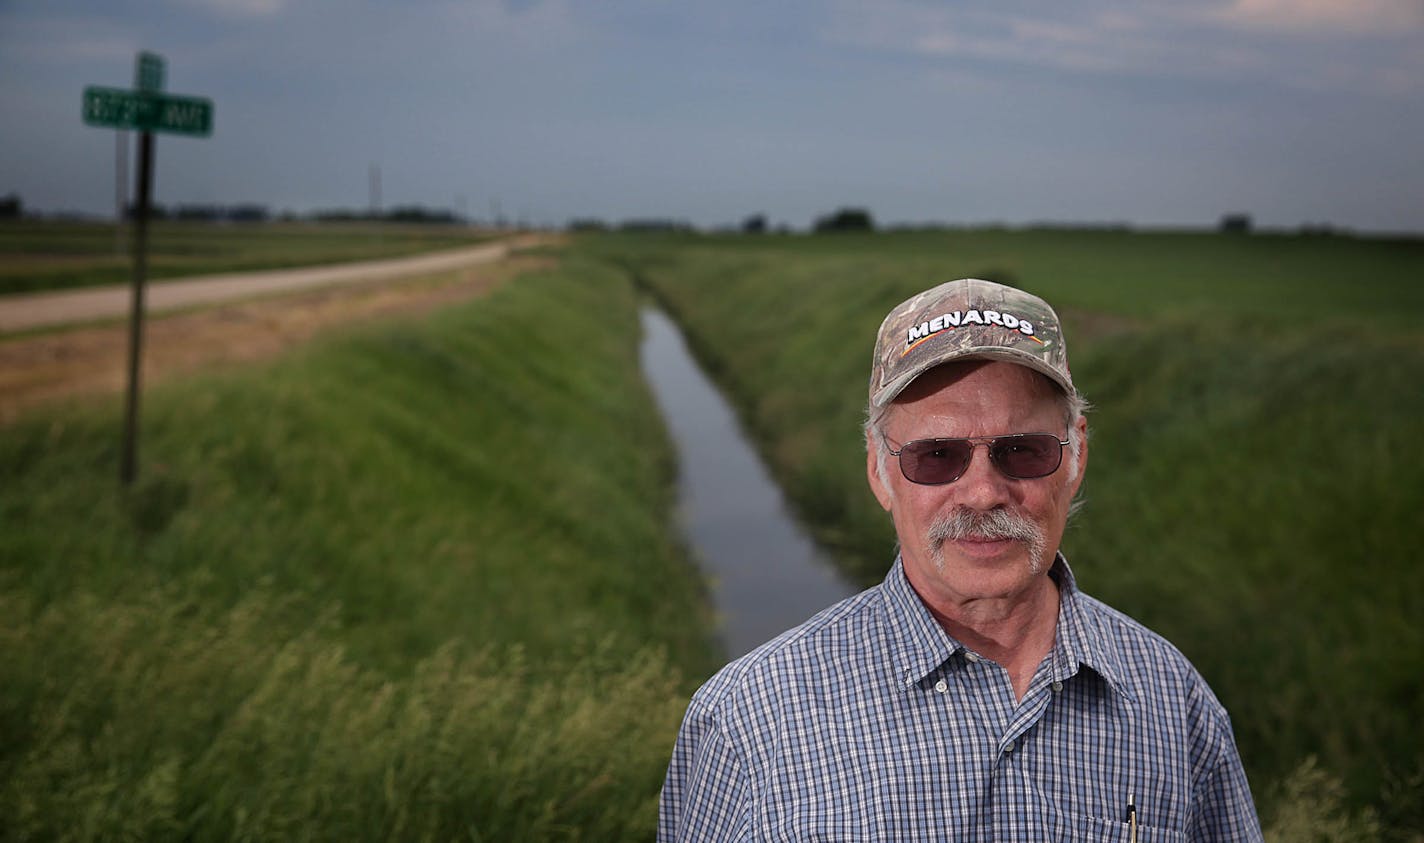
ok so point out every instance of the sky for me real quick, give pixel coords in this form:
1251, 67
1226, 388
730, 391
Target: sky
1297, 112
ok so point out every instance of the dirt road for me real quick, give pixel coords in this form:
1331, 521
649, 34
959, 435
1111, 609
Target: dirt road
226, 318
42, 310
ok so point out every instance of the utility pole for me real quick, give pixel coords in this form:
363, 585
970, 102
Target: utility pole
375, 191
376, 199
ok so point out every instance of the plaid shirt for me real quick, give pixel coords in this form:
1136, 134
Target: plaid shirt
868, 722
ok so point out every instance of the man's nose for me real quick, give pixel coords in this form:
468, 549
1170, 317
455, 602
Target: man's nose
982, 486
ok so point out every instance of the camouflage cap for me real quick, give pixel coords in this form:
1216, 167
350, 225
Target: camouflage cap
968, 319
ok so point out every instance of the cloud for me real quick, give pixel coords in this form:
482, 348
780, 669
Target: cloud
67, 40
1082, 39
1234, 41
1322, 17
524, 24
246, 9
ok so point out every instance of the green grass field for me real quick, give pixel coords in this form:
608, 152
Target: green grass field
416, 581
420, 580
1250, 491
54, 256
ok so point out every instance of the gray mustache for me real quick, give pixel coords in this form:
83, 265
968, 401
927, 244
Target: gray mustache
963, 523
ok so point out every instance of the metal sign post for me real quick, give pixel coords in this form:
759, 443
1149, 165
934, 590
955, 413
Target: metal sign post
127, 466
148, 110
121, 186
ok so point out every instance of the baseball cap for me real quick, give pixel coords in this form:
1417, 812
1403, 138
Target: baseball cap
967, 319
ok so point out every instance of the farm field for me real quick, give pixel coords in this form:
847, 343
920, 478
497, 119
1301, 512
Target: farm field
61, 255
420, 577
415, 580
1250, 491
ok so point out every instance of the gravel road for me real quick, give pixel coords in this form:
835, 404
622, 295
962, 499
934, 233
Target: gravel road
225, 319
43, 310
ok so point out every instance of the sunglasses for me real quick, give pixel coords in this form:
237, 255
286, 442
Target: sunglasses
1022, 456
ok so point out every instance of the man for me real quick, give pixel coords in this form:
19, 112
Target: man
976, 694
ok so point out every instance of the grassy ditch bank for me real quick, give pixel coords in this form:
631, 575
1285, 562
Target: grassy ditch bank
51, 255
1250, 493
415, 581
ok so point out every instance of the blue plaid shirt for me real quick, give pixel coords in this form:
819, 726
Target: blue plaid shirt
869, 722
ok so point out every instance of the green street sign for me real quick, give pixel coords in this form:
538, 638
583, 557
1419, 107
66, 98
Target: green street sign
122, 109
148, 72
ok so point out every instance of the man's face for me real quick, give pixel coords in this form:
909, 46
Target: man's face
968, 400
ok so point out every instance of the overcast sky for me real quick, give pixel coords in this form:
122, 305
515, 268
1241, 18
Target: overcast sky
1153, 113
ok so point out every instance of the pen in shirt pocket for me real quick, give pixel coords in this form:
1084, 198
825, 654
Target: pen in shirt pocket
1131, 819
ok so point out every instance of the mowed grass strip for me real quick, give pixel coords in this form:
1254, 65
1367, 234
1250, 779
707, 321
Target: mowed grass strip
51, 255
416, 581
1251, 491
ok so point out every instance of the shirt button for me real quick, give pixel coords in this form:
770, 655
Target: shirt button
941, 686
1057, 686
974, 657
1009, 747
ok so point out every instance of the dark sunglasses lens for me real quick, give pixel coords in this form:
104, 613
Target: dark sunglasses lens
1027, 456
934, 461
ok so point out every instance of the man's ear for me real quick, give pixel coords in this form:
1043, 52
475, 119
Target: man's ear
882, 494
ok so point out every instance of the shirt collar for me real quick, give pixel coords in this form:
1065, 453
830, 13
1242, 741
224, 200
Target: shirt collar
1079, 641
919, 645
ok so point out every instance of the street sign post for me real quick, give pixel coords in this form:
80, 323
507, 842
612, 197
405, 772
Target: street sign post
147, 110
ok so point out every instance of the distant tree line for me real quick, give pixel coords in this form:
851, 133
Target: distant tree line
845, 219
254, 213
1235, 224
399, 213
246, 212
651, 224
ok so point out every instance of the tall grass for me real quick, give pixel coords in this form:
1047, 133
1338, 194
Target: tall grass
155, 719
417, 581
1251, 493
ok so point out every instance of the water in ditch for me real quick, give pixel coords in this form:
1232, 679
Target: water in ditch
765, 572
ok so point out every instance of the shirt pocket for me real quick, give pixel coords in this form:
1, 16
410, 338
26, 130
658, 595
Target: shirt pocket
1094, 830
